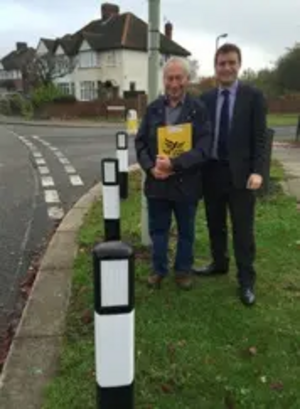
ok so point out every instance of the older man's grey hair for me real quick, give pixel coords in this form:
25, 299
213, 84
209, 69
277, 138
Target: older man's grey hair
182, 62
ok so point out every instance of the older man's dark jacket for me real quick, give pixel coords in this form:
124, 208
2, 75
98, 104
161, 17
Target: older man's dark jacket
185, 184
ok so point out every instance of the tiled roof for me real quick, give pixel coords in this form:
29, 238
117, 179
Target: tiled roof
16, 59
49, 43
136, 37
122, 31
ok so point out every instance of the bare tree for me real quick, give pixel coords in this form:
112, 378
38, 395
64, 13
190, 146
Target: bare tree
44, 69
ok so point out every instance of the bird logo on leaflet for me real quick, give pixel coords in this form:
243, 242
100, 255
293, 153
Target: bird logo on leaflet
173, 149
174, 140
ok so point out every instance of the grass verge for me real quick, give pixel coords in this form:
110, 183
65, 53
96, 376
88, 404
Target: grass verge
202, 349
282, 119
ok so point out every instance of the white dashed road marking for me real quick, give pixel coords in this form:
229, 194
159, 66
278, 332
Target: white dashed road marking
64, 161
55, 212
47, 181
74, 178
43, 170
51, 195
37, 154
40, 161
70, 169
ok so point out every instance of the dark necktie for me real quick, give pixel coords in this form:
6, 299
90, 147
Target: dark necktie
224, 127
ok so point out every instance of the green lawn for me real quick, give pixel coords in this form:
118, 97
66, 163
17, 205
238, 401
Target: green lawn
199, 349
282, 119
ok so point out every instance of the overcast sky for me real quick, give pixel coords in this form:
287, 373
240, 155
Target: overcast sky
263, 28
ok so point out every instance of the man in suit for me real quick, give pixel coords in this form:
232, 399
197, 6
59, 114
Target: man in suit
172, 183
230, 179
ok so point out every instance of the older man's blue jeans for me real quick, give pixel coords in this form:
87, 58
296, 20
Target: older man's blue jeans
160, 213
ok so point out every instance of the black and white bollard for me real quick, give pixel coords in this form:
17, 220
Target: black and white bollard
122, 156
111, 198
114, 324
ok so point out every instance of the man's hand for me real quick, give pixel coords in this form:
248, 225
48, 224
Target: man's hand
254, 182
163, 163
159, 174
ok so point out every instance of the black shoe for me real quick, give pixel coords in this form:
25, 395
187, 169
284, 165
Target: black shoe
211, 270
247, 296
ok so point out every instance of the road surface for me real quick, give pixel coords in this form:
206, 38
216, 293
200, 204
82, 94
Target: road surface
43, 172
285, 133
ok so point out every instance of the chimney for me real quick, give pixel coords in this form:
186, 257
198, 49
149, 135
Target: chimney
169, 30
21, 46
109, 10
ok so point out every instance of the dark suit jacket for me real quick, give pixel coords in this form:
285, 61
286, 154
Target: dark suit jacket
185, 184
247, 139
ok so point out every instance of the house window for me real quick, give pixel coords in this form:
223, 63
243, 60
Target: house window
112, 59
88, 59
64, 87
88, 91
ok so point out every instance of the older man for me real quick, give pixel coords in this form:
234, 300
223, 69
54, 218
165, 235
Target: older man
172, 143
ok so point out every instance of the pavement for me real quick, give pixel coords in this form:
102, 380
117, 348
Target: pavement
285, 133
10, 120
43, 172
289, 156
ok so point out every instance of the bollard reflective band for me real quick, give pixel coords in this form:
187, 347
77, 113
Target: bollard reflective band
123, 161
111, 198
122, 140
110, 171
114, 278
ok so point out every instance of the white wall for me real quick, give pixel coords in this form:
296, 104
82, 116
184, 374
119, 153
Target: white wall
121, 67
136, 70
109, 68
41, 48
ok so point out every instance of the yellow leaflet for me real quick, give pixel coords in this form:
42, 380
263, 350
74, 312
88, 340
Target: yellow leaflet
174, 140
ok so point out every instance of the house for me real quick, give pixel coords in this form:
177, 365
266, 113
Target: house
11, 68
110, 54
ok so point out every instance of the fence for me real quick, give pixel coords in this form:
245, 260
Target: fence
94, 109
100, 109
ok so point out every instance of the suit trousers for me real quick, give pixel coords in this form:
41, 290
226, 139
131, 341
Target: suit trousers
220, 195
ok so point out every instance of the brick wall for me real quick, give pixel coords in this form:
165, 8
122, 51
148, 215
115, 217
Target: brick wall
284, 105
92, 109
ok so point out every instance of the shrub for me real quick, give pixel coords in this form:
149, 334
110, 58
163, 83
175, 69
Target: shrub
18, 105
45, 94
16, 102
27, 110
5, 107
